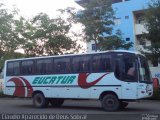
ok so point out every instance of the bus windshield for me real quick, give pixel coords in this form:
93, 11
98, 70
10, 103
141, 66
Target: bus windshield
126, 67
144, 71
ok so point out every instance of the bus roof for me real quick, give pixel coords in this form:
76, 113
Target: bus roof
108, 51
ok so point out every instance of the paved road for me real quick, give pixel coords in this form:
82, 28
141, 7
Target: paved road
24, 106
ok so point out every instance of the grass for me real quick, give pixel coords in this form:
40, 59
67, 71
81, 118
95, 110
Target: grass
156, 95
1, 94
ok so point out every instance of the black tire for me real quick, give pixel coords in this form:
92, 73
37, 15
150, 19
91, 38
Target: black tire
40, 101
56, 102
123, 105
110, 102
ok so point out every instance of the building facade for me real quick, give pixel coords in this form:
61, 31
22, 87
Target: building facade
129, 19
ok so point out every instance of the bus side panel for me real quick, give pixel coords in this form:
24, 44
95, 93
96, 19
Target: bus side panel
109, 83
71, 92
83, 85
129, 90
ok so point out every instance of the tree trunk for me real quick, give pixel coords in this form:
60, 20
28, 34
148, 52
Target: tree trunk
96, 44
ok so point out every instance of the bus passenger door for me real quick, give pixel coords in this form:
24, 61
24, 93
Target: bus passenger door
129, 76
129, 90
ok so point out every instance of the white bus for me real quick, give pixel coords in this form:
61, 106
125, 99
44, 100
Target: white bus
1, 81
113, 77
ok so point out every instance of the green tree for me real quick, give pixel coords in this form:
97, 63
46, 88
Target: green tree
27, 30
48, 36
6, 33
9, 37
152, 23
114, 42
97, 17
40, 35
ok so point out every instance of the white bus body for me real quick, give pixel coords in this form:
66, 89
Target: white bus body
108, 85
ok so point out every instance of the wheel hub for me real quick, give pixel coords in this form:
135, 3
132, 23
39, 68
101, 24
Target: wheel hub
110, 102
38, 100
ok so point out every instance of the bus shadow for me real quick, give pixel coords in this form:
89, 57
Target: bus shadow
131, 110
65, 107
87, 109
69, 107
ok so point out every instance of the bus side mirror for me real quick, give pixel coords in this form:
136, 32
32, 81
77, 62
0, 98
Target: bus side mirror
0, 70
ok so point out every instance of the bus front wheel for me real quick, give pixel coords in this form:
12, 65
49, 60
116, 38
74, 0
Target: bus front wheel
110, 102
39, 100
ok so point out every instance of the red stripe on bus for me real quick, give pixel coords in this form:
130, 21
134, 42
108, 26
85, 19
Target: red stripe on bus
29, 87
82, 80
19, 91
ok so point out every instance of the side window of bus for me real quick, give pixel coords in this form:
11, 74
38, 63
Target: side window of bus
27, 67
13, 68
96, 63
62, 65
101, 63
44, 66
106, 63
81, 64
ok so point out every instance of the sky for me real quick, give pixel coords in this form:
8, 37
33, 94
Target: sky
29, 8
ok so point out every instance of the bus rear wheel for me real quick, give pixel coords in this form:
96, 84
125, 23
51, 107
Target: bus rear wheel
56, 102
110, 102
40, 101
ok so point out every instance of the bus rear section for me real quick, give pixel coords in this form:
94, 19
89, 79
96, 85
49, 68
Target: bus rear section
114, 78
